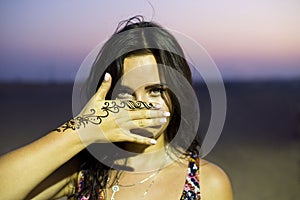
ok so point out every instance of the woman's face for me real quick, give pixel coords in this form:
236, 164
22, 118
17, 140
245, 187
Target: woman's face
141, 82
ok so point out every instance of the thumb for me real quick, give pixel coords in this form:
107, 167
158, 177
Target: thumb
104, 87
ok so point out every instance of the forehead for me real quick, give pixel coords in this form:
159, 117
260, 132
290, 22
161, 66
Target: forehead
140, 70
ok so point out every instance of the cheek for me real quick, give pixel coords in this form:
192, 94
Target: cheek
161, 101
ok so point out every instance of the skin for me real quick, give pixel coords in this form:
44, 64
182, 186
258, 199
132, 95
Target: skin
217, 185
141, 80
55, 176
46, 175
214, 182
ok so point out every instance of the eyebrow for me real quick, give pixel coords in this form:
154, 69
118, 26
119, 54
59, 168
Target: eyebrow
130, 90
163, 86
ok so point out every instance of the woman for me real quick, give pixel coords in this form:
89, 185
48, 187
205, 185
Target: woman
143, 107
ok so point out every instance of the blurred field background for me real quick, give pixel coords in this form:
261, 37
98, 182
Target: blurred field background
259, 147
251, 41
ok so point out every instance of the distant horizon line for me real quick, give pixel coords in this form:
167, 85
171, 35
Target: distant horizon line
243, 79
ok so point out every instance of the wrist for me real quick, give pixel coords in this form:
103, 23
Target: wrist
81, 134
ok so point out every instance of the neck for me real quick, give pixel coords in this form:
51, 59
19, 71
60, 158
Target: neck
145, 158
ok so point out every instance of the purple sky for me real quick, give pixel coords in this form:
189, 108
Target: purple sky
250, 39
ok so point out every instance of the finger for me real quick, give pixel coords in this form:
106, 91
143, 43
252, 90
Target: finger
138, 105
144, 123
148, 114
139, 139
104, 88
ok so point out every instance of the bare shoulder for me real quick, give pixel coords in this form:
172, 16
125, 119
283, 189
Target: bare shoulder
214, 182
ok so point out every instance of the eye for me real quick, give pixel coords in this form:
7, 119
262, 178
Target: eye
157, 91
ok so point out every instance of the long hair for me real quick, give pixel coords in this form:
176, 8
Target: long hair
136, 36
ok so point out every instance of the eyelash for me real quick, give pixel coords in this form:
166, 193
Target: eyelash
154, 92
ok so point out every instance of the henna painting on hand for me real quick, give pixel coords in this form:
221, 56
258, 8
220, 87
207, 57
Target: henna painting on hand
138, 105
92, 118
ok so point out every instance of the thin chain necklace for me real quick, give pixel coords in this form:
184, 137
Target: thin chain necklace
116, 187
140, 182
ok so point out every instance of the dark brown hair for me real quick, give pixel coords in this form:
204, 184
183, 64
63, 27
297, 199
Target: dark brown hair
136, 36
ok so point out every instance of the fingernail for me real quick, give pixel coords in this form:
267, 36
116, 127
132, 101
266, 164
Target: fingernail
166, 114
106, 76
162, 120
152, 141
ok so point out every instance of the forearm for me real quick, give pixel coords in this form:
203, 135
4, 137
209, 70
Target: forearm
23, 169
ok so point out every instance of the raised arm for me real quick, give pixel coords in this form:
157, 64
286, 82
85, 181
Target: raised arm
23, 170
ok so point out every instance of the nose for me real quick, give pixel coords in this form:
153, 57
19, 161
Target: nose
141, 96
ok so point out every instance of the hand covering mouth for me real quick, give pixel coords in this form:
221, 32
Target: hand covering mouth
142, 132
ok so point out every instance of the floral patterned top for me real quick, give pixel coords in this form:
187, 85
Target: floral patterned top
191, 190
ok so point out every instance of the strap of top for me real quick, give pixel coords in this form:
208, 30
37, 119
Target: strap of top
191, 189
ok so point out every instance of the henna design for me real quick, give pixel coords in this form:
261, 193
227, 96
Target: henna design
108, 107
68, 125
139, 105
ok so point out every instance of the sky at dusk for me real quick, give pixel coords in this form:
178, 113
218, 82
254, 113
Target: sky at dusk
247, 39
